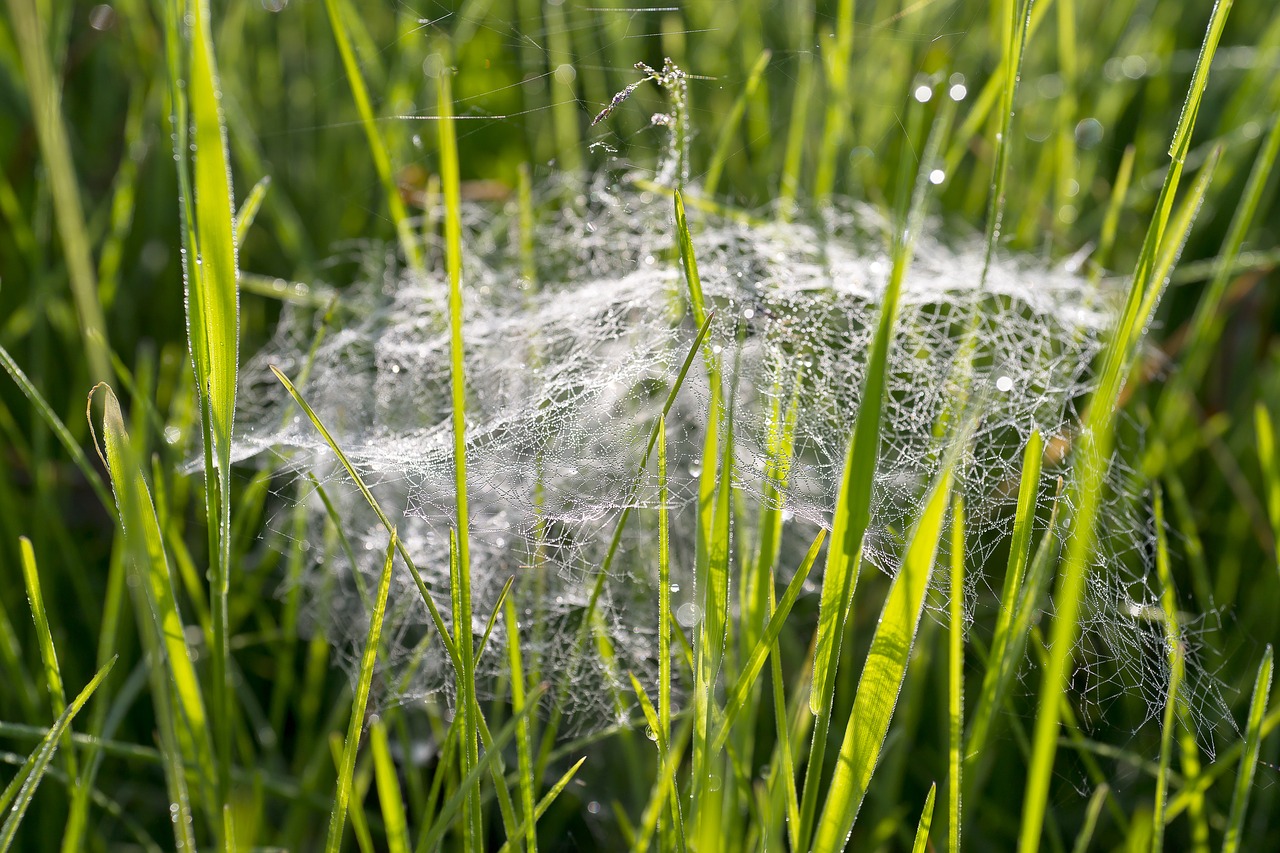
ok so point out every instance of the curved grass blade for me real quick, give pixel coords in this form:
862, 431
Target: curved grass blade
338, 815
882, 675
720, 155
548, 799
1249, 760
249, 209
39, 762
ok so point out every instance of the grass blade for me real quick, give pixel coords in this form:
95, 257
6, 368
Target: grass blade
720, 155
921, 843
955, 680
389, 795
39, 762
339, 11
338, 815
460, 592
1173, 647
1094, 450
549, 798
1249, 760
882, 675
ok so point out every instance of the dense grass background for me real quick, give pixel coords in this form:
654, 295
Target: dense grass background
92, 237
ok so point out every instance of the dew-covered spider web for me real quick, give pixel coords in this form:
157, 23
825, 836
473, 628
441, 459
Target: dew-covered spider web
567, 371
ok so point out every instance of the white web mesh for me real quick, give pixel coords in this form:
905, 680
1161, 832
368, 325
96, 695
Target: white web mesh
566, 379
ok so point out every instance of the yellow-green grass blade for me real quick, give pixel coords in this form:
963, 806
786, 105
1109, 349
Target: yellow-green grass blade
43, 91
1111, 219
460, 591
437, 620
1249, 759
144, 545
44, 638
852, 513
524, 746
249, 209
1015, 47
433, 831
664, 792
921, 843
664, 589
751, 667
955, 676
1173, 649
728, 130
59, 429
883, 672
339, 14
342, 795
361, 778
396, 827
836, 63
17, 797
550, 797
1091, 813
1006, 647
1095, 446
666, 783
213, 305
784, 767
1269, 462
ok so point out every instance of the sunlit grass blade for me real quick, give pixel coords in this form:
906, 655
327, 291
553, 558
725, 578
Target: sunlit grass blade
955, 675
729, 129
1094, 453
1174, 651
1007, 647
836, 62
339, 14
1269, 461
17, 797
666, 782
30, 26
433, 832
921, 843
524, 747
852, 513
547, 799
1249, 760
338, 815
394, 822
750, 669
48, 654
249, 209
213, 327
883, 672
145, 548
460, 591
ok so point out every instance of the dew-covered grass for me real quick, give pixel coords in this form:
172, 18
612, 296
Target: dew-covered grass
517, 425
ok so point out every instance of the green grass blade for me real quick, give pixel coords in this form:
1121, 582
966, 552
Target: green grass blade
144, 544
524, 747
460, 593
48, 654
882, 675
1094, 452
16, 804
44, 93
342, 796
339, 13
664, 588
1269, 462
1091, 819
729, 128
1249, 760
921, 843
836, 63
1173, 648
433, 833
955, 679
750, 669
1006, 648
213, 327
59, 429
389, 795
550, 797
249, 209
